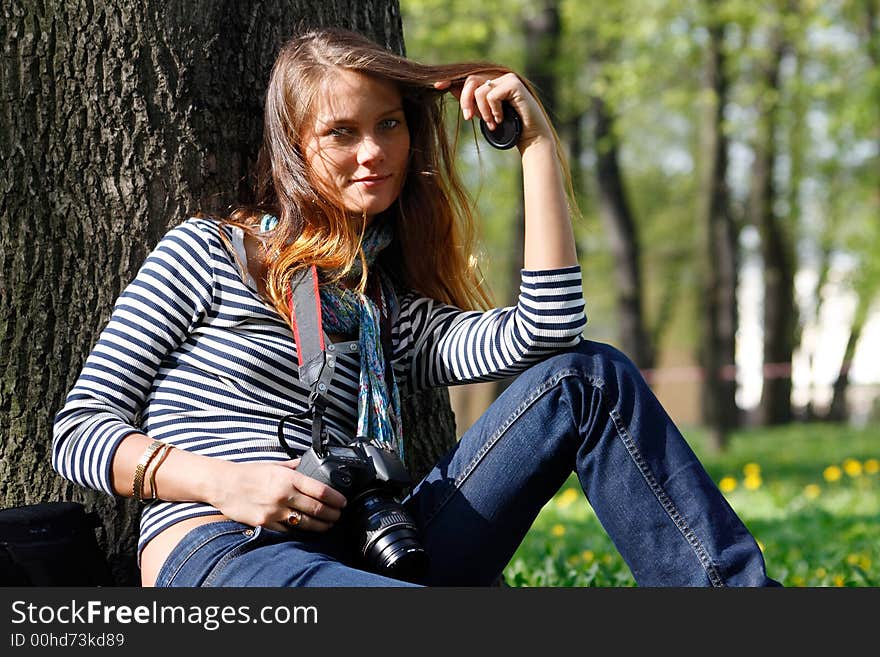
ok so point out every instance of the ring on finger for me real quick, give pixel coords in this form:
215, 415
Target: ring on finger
488, 83
294, 518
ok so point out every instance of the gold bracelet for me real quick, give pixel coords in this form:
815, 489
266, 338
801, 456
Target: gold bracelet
137, 486
155, 463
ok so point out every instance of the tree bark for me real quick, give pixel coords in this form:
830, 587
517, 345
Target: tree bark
720, 261
119, 121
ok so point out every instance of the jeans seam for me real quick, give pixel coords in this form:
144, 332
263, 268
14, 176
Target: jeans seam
502, 428
666, 502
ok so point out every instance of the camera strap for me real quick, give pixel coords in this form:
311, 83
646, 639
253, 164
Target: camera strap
316, 358
316, 354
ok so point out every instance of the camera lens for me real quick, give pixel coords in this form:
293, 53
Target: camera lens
389, 539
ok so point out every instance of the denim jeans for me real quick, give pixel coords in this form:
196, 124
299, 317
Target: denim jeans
587, 410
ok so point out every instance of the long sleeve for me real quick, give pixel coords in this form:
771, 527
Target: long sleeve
438, 344
150, 319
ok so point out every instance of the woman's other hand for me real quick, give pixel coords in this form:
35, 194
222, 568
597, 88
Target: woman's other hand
276, 496
482, 96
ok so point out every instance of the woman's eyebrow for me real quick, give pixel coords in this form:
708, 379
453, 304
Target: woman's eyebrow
343, 120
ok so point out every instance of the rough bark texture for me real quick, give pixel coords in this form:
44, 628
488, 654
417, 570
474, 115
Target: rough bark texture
720, 256
119, 121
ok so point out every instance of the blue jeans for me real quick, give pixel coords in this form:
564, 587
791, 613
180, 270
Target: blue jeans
587, 410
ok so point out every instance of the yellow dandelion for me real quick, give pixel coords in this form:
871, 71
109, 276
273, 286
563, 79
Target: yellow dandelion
852, 467
852, 559
838, 580
566, 498
607, 558
588, 555
812, 491
832, 473
558, 530
865, 562
727, 484
872, 466
821, 572
798, 580
752, 482
752, 470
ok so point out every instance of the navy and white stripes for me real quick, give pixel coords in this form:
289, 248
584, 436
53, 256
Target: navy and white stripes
192, 356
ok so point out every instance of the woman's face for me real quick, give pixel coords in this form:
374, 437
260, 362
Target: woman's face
358, 146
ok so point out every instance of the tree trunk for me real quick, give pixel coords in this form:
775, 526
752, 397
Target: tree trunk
720, 262
776, 250
837, 410
619, 222
119, 121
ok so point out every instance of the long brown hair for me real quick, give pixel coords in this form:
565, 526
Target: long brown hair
433, 219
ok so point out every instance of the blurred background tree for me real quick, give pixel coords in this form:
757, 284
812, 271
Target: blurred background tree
726, 158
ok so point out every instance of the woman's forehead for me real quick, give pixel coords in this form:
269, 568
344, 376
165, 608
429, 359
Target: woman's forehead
346, 95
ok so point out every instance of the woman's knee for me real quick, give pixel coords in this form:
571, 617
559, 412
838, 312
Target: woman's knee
598, 360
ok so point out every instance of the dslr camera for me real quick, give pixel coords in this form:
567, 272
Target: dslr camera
372, 478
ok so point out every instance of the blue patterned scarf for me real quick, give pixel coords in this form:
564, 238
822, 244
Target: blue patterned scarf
346, 311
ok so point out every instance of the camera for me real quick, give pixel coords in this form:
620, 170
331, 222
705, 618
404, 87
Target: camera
372, 478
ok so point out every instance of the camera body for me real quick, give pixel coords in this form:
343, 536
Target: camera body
372, 478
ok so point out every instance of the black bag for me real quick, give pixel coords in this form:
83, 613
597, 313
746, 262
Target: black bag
51, 544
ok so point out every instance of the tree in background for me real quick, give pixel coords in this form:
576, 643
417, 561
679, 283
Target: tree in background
120, 121
865, 241
719, 316
777, 239
638, 100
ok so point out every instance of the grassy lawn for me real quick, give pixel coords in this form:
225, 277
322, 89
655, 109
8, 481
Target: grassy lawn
810, 493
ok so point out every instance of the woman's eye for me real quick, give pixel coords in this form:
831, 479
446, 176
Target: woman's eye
389, 124
340, 133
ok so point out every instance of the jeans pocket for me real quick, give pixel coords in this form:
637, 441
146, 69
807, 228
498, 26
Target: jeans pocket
197, 551
250, 539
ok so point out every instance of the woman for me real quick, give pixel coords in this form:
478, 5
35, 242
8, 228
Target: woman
179, 403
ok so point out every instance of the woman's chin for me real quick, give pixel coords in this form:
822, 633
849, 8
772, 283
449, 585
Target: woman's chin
370, 212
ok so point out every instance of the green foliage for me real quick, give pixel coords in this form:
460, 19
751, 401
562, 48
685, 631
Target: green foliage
809, 493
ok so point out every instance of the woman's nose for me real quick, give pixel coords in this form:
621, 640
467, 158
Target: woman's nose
369, 150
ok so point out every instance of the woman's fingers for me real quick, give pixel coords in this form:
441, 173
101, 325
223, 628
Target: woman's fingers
309, 506
467, 96
318, 492
299, 520
482, 96
295, 519
487, 97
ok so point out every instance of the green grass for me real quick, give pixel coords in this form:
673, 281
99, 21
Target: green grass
815, 529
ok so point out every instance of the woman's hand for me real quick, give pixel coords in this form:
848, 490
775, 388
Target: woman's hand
482, 95
549, 237
276, 496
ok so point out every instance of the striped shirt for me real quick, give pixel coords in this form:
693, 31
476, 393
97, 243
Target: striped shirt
193, 356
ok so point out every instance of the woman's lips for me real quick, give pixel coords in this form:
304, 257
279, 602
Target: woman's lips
372, 181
